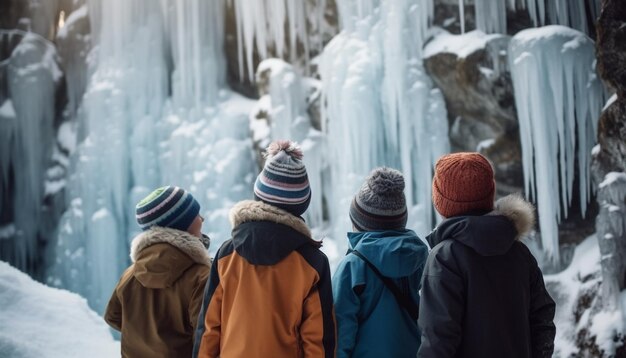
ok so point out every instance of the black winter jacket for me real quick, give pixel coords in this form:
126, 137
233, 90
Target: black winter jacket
482, 293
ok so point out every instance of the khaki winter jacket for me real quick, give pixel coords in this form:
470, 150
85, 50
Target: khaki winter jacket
269, 294
156, 302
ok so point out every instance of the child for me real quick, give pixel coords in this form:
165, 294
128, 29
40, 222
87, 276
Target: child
269, 294
376, 285
483, 294
156, 303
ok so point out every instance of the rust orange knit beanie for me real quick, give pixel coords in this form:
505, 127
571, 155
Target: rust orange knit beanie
463, 183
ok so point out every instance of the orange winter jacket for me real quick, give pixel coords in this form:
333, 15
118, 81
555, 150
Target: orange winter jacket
269, 292
156, 303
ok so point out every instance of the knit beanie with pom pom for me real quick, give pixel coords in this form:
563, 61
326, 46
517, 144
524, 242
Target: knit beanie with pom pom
380, 203
283, 182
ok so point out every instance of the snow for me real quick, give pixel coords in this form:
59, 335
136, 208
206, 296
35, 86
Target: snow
485, 144
40, 321
565, 287
7, 110
605, 326
612, 177
75, 16
596, 150
460, 45
7, 231
610, 101
558, 97
583, 277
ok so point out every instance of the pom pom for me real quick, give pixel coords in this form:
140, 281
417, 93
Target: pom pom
386, 181
290, 148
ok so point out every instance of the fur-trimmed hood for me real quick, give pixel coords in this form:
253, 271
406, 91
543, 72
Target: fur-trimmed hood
251, 210
493, 233
264, 234
185, 242
162, 255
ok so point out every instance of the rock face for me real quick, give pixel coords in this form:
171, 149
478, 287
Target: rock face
609, 159
472, 72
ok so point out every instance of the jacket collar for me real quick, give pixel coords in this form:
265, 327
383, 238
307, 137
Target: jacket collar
490, 234
182, 240
251, 210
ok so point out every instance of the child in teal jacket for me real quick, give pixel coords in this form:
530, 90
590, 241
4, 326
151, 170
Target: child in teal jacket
372, 321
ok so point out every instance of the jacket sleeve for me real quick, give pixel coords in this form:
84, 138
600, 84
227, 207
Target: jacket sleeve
542, 310
441, 306
113, 313
197, 294
317, 330
208, 329
347, 305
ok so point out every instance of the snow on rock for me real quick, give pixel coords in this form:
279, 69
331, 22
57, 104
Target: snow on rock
40, 321
460, 45
558, 97
581, 315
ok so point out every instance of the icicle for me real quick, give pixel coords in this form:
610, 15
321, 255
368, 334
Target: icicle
462, 15
261, 25
490, 16
381, 108
558, 99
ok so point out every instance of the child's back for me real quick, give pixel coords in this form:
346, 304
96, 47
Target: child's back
372, 321
156, 303
269, 294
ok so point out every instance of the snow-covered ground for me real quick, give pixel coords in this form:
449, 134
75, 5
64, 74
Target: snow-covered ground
576, 291
41, 321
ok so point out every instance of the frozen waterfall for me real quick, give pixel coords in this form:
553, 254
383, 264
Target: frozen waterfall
381, 107
26, 138
139, 136
558, 98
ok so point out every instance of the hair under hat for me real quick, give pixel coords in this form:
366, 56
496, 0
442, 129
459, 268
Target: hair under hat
463, 183
168, 206
380, 204
283, 182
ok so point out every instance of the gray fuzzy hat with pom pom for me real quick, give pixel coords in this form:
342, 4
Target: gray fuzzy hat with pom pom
380, 203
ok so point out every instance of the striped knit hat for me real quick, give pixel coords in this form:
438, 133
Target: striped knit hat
283, 182
380, 204
168, 206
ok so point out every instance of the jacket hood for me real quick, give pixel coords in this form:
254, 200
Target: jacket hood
491, 234
264, 234
394, 253
161, 255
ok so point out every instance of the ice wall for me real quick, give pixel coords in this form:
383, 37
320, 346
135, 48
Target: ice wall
381, 108
27, 113
155, 113
558, 98
128, 86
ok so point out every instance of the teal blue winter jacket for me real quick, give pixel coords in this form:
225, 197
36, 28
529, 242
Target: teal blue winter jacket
370, 322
